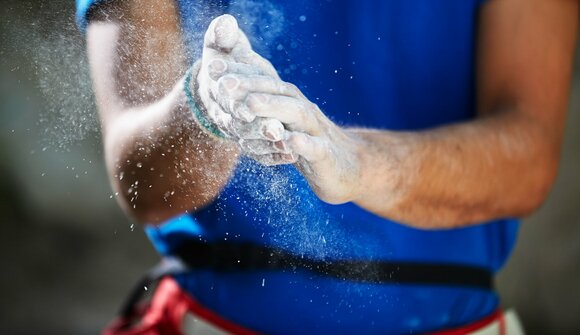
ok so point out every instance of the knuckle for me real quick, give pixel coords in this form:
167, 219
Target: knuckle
312, 106
331, 198
303, 117
323, 150
255, 100
302, 112
289, 88
296, 141
301, 108
217, 66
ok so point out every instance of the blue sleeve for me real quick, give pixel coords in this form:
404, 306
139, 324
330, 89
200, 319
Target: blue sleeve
83, 7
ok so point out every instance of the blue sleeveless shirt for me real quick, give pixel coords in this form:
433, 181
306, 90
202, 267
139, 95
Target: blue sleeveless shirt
390, 64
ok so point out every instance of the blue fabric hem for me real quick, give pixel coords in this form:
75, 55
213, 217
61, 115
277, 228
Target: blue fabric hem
83, 7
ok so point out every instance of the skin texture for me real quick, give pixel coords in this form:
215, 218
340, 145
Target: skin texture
159, 161
500, 164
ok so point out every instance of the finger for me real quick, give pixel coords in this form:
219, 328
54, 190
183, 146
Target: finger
219, 67
250, 57
237, 87
297, 114
242, 112
275, 159
223, 37
220, 37
242, 52
243, 44
263, 147
259, 129
311, 148
222, 34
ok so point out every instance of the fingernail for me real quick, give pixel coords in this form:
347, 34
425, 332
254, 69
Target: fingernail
270, 135
225, 31
275, 128
230, 83
217, 65
280, 145
289, 157
227, 22
273, 133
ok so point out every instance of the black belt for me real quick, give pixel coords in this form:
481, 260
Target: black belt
239, 257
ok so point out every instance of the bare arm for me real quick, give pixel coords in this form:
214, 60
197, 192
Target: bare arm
500, 165
504, 163
159, 161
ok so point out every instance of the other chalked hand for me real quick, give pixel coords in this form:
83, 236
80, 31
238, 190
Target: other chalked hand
326, 154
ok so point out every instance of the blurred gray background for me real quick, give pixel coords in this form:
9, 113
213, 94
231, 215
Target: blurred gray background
69, 255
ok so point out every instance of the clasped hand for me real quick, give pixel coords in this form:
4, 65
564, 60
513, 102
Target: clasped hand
272, 121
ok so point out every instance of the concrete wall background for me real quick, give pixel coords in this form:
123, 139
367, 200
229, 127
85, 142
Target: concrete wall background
69, 255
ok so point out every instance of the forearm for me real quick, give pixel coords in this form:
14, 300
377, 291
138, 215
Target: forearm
498, 166
161, 163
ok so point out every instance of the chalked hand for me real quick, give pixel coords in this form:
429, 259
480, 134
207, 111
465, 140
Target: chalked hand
326, 154
228, 52
227, 49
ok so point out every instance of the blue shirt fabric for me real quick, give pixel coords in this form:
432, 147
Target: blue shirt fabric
386, 64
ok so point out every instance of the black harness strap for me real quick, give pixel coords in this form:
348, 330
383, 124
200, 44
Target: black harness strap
238, 257
167, 267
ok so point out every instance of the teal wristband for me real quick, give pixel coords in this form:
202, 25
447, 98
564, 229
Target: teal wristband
198, 115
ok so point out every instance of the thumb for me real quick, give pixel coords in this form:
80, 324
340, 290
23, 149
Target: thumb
222, 33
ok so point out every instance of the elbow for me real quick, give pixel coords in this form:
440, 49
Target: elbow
133, 200
148, 214
539, 164
537, 188
148, 206
152, 192
137, 191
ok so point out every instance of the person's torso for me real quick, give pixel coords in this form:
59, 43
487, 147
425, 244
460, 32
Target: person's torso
392, 64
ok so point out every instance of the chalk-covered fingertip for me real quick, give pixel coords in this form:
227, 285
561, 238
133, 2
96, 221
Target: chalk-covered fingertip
226, 31
273, 130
